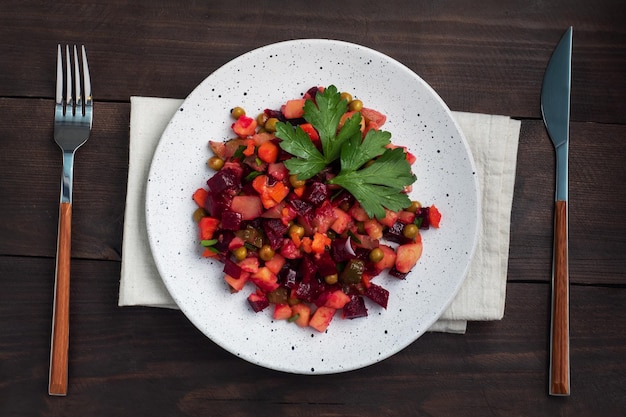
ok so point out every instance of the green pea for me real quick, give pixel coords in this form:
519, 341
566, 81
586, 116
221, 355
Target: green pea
376, 255
237, 112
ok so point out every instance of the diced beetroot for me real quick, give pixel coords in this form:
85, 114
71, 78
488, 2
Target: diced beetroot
289, 249
397, 274
377, 294
339, 251
217, 203
258, 301
316, 193
277, 114
274, 230
325, 264
395, 233
288, 277
224, 241
324, 217
302, 207
225, 180
309, 291
311, 93
231, 220
308, 269
343, 198
355, 308
422, 215
231, 268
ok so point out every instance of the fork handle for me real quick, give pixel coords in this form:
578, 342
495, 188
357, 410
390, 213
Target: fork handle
60, 315
559, 338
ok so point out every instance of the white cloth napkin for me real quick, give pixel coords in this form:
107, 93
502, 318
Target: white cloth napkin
492, 138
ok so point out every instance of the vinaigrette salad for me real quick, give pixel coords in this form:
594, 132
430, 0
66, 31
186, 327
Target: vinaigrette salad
308, 205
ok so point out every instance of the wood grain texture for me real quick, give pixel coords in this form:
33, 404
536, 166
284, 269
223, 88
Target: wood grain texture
59, 346
559, 338
146, 361
488, 59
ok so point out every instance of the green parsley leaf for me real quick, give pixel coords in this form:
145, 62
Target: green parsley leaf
325, 115
356, 152
378, 185
309, 160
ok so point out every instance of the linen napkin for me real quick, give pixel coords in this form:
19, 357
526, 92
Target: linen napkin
493, 140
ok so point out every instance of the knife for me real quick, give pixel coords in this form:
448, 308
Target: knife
555, 108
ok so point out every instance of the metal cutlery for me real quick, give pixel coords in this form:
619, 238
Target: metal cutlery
555, 108
73, 118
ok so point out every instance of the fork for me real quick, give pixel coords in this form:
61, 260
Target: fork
73, 118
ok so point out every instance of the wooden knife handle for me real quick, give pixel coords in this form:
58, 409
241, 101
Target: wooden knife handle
559, 368
60, 316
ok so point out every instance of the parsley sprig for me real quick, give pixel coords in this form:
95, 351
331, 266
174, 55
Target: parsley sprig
378, 184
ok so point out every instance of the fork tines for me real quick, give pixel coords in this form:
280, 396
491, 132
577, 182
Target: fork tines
74, 101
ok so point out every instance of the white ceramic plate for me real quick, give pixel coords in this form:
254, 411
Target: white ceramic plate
416, 117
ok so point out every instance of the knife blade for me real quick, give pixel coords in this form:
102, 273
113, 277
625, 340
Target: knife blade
555, 109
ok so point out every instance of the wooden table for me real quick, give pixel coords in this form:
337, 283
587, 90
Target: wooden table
484, 57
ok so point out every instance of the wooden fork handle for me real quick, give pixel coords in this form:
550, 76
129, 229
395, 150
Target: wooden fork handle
559, 366
60, 315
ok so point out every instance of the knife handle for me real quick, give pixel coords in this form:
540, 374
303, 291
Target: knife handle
559, 366
60, 315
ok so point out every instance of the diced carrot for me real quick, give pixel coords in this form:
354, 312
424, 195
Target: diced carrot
208, 226
296, 239
434, 216
208, 253
310, 130
268, 152
278, 191
249, 151
260, 184
299, 191
199, 196
306, 244
320, 241
366, 280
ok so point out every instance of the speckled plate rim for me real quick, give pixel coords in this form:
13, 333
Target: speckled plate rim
417, 118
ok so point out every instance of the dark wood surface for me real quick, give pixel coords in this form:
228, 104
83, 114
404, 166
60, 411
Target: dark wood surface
486, 56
